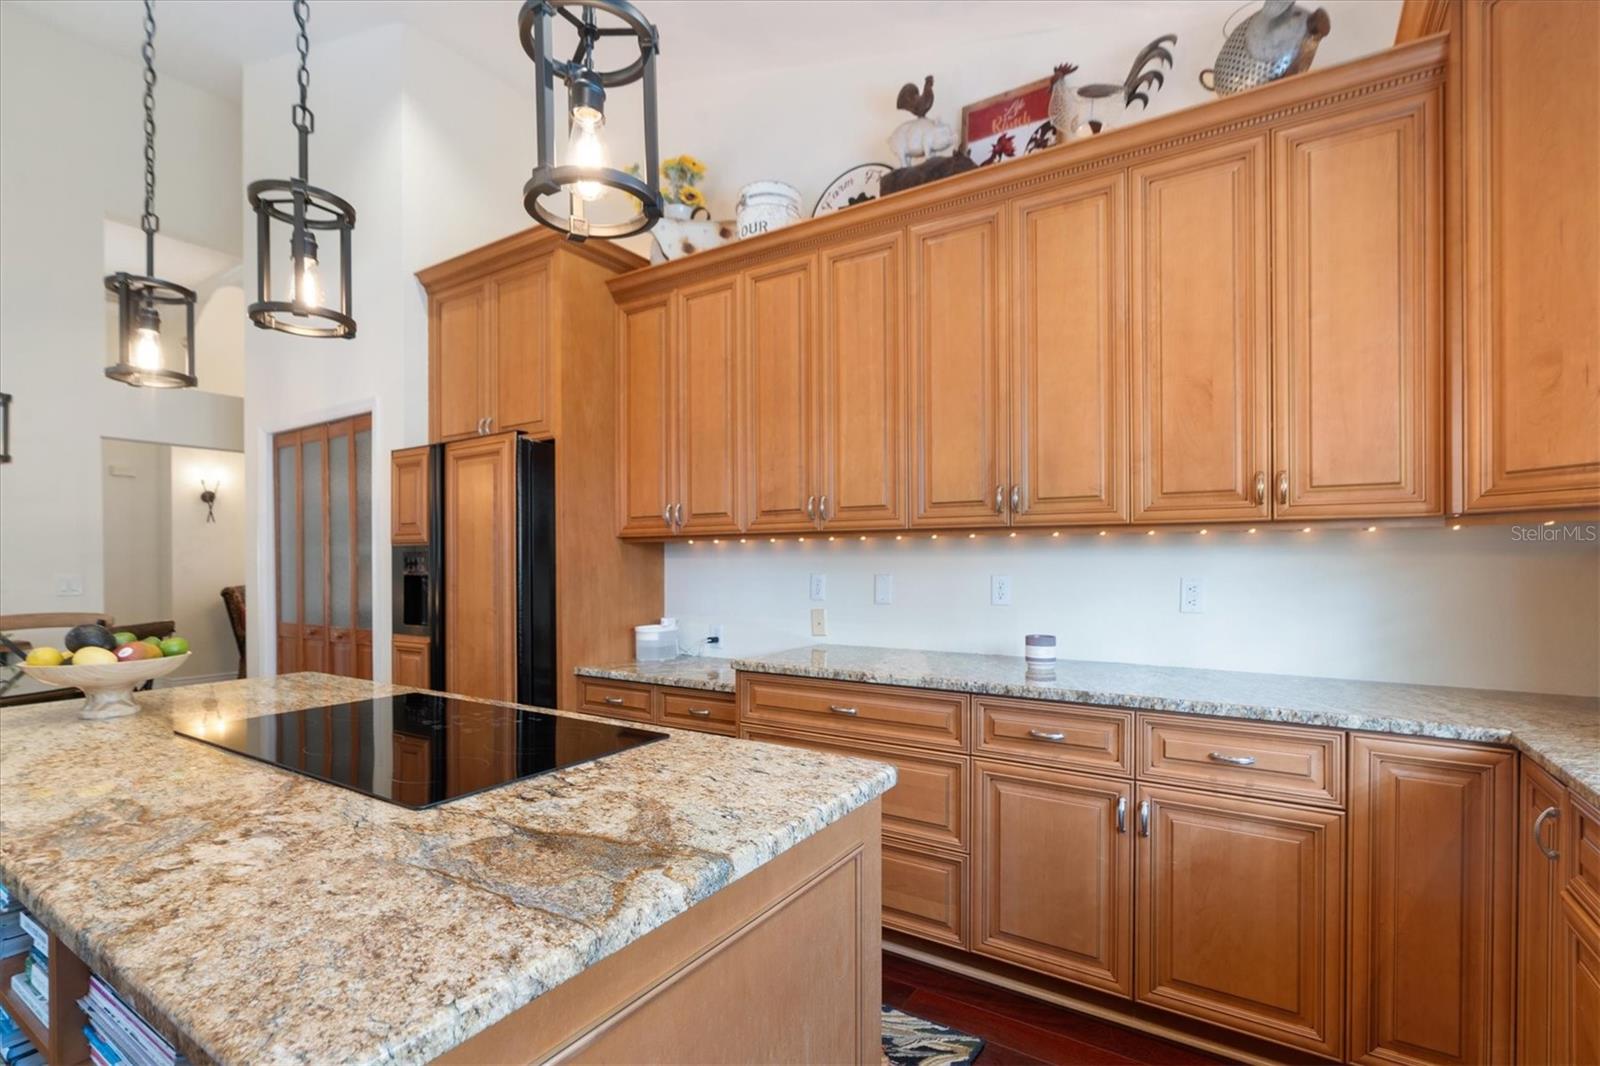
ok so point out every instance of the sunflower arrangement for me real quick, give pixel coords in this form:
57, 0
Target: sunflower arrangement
681, 176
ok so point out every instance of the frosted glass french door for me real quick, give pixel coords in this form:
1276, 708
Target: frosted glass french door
323, 492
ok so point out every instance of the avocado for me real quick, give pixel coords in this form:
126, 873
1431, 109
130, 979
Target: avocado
90, 636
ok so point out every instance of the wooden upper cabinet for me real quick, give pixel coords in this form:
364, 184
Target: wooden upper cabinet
780, 371
480, 567
408, 496
645, 416
519, 350
1541, 820
706, 388
1531, 255
1432, 890
960, 437
1357, 352
1070, 383
1241, 915
862, 438
1198, 223
1054, 881
457, 377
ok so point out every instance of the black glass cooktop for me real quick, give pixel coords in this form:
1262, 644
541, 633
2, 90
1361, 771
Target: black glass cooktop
417, 749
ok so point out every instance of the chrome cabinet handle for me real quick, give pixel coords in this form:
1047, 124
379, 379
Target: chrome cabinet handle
836, 709
1261, 487
1122, 814
1232, 760
677, 511
999, 499
1283, 486
1144, 818
1040, 734
615, 701
700, 712
1538, 827
666, 514
822, 507
811, 507
1016, 499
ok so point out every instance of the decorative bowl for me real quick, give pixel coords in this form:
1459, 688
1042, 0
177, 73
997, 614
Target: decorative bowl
108, 687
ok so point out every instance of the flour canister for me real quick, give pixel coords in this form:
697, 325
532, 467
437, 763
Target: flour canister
765, 206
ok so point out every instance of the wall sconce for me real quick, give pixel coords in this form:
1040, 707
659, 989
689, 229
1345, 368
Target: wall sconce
5, 427
208, 496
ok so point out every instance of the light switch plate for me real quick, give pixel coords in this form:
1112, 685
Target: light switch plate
819, 586
69, 584
882, 588
819, 622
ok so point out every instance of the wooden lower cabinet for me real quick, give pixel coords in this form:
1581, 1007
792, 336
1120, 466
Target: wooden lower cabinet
1541, 818
925, 892
1241, 915
410, 665
1576, 1033
1432, 901
1054, 884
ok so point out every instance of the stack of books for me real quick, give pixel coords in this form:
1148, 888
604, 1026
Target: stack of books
14, 940
118, 1036
31, 985
15, 1050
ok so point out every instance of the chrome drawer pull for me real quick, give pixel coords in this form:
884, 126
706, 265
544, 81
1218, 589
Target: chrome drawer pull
836, 709
615, 701
1232, 760
1538, 829
700, 712
1122, 814
1144, 818
1040, 734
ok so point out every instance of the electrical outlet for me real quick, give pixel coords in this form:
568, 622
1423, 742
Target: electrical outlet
819, 622
882, 588
1000, 591
714, 633
819, 586
69, 584
1191, 596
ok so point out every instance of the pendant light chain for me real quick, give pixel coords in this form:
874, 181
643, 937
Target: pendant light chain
150, 222
304, 120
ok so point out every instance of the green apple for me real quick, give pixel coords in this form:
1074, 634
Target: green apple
122, 636
174, 645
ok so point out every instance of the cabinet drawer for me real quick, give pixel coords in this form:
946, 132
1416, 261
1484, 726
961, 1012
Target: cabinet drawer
1056, 733
900, 715
1581, 857
614, 699
925, 893
928, 803
709, 712
1248, 758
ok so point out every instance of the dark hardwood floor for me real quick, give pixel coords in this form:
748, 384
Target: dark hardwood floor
1021, 1031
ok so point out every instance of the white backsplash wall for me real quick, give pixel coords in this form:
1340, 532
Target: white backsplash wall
1474, 607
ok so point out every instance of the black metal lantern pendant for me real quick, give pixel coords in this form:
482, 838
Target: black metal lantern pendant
143, 351
587, 174
313, 307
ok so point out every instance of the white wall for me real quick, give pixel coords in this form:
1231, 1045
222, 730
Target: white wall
206, 557
71, 126
1475, 607
135, 482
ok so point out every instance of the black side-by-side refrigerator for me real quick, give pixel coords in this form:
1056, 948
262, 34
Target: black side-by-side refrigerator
419, 573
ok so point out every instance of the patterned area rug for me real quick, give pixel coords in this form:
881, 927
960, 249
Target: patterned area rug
912, 1041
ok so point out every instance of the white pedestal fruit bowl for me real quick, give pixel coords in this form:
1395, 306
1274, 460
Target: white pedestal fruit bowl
108, 687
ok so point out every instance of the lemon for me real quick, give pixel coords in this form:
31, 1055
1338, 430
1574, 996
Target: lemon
92, 656
44, 656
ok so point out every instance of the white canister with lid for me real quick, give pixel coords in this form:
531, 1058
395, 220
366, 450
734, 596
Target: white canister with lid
765, 206
657, 642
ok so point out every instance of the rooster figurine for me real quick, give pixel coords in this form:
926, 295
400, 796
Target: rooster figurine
920, 138
1144, 77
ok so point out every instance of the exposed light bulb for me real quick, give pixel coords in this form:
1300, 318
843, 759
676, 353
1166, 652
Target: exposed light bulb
147, 348
586, 148
308, 279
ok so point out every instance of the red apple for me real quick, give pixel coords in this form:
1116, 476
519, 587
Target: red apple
129, 653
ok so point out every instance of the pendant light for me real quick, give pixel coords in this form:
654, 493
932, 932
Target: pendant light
314, 308
143, 352
587, 173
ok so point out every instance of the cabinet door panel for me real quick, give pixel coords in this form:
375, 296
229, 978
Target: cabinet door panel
480, 567
1357, 356
1055, 873
781, 368
960, 403
1538, 909
863, 365
1241, 915
457, 389
1199, 303
1070, 399
408, 496
1577, 1028
644, 418
925, 893
1432, 876
1531, 256
707, 387
519, 306
410, 666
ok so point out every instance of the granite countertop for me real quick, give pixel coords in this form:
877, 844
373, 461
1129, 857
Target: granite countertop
256, 915
1561, 733
686, 671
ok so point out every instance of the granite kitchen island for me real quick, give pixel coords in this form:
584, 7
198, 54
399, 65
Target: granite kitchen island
651, 899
